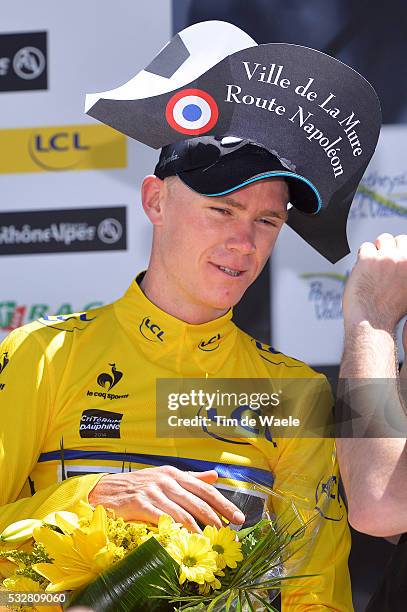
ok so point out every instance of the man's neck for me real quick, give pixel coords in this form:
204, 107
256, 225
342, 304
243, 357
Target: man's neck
160, 291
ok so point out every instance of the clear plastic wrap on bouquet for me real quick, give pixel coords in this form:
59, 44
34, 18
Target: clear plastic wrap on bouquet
134, 565
289, 530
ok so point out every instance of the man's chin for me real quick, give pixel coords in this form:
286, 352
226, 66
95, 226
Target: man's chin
226, 302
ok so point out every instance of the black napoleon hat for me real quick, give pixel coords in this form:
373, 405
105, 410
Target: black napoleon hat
299, 113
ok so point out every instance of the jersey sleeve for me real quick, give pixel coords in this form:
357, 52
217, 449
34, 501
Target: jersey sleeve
27, 388
307, 473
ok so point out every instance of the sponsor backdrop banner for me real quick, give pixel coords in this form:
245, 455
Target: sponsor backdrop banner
63, 231
72, 231
307, 290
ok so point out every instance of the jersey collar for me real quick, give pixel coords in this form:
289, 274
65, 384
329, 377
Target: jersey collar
163, 336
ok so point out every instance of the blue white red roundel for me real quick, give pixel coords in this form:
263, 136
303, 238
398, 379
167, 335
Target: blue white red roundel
192, 111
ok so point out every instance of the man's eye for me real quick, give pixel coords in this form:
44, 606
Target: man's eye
268, 222
224, 211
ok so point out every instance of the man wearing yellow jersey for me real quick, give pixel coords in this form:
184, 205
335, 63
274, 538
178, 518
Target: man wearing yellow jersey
78, 392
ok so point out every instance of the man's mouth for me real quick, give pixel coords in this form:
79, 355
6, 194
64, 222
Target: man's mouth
230, 271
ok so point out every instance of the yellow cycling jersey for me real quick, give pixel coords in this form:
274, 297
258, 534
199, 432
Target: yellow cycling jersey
78, 399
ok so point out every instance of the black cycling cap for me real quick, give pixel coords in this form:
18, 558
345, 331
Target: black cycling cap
214, 167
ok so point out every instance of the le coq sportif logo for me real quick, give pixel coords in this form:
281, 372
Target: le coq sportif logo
108, 381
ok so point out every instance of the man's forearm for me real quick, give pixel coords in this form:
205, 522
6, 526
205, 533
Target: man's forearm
373, 467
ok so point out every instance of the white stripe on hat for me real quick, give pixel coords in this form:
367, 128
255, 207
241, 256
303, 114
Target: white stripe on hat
225, 39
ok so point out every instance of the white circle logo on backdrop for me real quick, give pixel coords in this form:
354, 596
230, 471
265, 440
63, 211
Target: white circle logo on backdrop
110, 231
29, 63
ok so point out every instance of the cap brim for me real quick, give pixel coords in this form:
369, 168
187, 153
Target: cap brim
212, 182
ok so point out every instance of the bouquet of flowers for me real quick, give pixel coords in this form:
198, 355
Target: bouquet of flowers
109, 564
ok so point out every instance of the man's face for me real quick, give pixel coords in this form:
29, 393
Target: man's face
212, 249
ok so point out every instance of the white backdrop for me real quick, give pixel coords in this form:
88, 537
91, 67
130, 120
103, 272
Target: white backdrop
306, 288
92, 46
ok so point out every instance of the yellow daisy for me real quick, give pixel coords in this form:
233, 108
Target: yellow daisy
192, 551
205, 588
166, 529
223, 542
78, 557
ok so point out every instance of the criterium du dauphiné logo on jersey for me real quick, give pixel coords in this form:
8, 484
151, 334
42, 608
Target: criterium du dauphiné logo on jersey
3, 363
210, 345
108, 380
151, 331
100, 424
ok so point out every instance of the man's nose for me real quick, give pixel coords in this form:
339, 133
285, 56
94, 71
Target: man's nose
242, 240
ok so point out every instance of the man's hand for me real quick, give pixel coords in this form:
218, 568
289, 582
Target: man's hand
146, 494
374, 468
376, 290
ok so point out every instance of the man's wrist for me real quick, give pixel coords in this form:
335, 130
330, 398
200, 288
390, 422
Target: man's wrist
94, 493
361, 325
368, 351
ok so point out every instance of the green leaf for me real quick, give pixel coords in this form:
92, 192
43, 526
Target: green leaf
245, 532
249, 602
265, 603
214, 601
131, 584
230, 600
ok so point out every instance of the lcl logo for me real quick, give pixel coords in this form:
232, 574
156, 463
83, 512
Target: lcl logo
61, 141
60, 149
151, 331
210, 345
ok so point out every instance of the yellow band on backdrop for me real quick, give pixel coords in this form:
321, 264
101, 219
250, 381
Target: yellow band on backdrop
61, 148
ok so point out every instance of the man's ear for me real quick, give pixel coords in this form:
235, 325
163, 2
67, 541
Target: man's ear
152, 194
